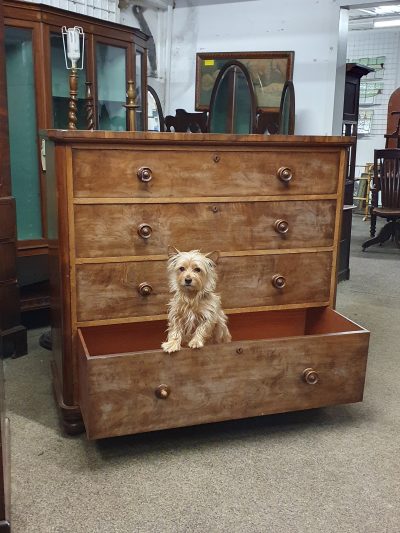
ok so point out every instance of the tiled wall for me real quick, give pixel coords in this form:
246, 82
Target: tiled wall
102, 9
377, 43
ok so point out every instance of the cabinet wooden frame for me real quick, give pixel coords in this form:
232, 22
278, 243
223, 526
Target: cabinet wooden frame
44, 20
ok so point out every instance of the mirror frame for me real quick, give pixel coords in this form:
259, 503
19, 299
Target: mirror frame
288, 88
159, 108
253, 105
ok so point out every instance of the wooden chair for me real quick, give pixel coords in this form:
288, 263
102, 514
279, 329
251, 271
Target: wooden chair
393, 121
387, 182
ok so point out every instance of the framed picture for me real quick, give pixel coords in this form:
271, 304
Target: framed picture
268, 70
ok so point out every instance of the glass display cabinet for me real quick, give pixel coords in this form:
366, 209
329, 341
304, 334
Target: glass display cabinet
38, 98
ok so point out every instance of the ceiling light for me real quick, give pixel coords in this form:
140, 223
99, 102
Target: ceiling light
386, 23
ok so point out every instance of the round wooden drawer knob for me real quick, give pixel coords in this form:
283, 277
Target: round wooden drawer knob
162, 392
285, 174
145, 231
310, 376
144, 174
281, 226
278, 281
145, 289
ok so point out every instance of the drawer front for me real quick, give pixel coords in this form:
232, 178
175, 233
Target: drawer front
147, 229
121, 394
192, 173
111, 290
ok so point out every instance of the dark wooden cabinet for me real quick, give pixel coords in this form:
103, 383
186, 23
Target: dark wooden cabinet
10, 328
39, 96
12, 334
354, 73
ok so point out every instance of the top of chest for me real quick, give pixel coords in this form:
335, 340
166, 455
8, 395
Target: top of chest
144, 165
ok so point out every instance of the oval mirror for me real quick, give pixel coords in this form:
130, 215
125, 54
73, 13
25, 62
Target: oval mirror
155, 117
233, 103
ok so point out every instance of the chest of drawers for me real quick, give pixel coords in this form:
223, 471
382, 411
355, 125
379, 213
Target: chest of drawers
270, 205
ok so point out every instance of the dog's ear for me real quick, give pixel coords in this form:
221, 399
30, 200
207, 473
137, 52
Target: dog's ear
214, 256
172, 251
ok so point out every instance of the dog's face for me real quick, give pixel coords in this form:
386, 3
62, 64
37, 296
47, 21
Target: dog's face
192, 272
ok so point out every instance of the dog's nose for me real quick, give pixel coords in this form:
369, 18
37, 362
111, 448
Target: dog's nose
188, 281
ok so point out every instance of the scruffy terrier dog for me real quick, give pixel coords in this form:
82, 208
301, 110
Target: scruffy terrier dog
195, 314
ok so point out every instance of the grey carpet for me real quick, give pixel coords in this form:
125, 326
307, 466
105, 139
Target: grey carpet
327, 470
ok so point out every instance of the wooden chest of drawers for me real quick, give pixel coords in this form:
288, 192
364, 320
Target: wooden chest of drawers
270, 205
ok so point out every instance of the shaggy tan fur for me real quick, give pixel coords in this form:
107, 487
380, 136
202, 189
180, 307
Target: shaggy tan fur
194, 312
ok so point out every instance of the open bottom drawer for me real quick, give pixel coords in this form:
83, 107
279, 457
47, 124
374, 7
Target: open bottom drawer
278, 361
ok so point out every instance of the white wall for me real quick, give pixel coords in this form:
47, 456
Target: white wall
309, 27
159, 23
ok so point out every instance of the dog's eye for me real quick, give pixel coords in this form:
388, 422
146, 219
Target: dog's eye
181, 269
197, 269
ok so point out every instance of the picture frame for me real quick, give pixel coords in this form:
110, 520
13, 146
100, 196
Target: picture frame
268, 70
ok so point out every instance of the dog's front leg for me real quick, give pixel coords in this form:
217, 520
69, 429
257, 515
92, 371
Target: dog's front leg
174, 341
201, 334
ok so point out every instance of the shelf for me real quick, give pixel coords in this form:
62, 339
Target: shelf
35, 296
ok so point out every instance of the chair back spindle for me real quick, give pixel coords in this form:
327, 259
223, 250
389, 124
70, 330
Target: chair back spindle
387, 177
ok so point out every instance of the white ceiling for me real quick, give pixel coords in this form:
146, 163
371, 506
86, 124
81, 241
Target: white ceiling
363, 18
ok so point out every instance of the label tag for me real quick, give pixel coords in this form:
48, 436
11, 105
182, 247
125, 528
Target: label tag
209, 62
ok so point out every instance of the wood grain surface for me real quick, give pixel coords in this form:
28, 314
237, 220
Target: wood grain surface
236, 380
110, 290
209, 192
113, 230
200, 172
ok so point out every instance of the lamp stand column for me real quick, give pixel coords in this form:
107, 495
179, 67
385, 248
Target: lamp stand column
73, 98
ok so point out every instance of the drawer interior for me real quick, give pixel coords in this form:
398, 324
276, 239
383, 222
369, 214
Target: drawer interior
142, 336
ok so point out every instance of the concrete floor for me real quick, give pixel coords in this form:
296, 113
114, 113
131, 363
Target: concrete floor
327, 470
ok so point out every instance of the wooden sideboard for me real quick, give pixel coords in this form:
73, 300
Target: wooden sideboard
271, 205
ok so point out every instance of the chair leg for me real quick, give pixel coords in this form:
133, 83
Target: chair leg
373, 225
384, 235
397, 233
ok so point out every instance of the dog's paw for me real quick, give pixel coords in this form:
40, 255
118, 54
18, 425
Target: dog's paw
171, 346
196, 343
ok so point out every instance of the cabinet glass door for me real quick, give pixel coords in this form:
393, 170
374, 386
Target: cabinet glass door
111, 87
23, 133
60, 87
139, 91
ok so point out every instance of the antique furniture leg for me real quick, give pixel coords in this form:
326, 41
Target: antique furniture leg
388, 230
373, 225
71, 417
